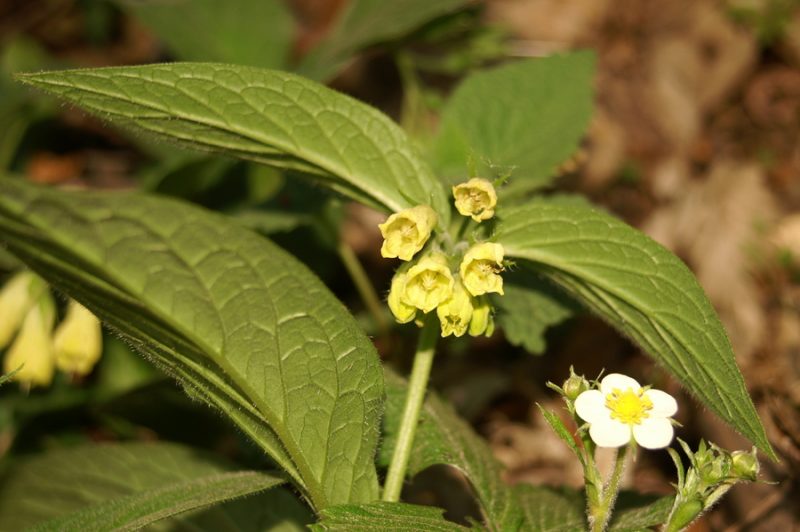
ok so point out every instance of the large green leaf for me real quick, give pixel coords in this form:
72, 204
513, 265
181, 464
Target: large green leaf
262, 115
528, 308
125, 487
643, 290
229, 31
388, 516
551, 510
635, 512
443, 438
240, 323
367, 22
525, 117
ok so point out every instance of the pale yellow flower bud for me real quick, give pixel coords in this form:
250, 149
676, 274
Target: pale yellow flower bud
32, 348
429, 283
455, 313
406, 232
403, 313
481, 267
78, 340
482, 321
16, 298
476, 198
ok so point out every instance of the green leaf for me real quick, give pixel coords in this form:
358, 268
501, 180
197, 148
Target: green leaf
229, 31
550, 509
240, 323
367, 22
561, 430
265, 116
525, 117
529, 307
635, 512
443, 438
643, 290
120, 486
389, 516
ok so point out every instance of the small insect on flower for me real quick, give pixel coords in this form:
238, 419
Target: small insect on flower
476, 198
622, 410
481, 269
407, 231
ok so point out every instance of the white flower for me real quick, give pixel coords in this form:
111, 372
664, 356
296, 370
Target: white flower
621, 409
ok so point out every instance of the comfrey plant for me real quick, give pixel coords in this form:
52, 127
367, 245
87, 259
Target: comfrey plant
247, 329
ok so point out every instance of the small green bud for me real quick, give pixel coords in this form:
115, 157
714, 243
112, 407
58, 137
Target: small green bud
480, 269
407, 231
574, 386
476, 198
745, 465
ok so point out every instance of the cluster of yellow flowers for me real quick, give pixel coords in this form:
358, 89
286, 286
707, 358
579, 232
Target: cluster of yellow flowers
27, 317
453, 281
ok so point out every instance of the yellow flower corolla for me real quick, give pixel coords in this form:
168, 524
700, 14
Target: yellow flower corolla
429, 283
455, 313
480, 269
482, 321
78, 340
16, 298
32, 348
406, 232
403, 313
476, 198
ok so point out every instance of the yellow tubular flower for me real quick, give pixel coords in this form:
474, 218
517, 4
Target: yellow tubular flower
481, 317
455, 313
78, 340
402, 313
429, 283
16, 298
406, 232
32, 349
481, 267
476, 198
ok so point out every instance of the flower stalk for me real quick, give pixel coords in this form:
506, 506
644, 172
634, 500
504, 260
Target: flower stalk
417, 386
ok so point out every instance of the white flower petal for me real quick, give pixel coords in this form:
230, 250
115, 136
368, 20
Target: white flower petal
618, 381
664, 405
590, 406
610, 433
653, 433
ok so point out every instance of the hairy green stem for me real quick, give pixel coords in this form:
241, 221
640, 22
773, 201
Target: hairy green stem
602, 512
417, 385
364, 286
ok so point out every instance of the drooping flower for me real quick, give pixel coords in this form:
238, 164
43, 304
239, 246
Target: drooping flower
622, 410
476, 198
78, 340
482, 321
407, 231
429, 283
403, 312
481, 267
455, 314
32, 350
17, 297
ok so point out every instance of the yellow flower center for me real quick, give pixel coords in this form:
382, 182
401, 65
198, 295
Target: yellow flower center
629, 407
429, 280
408, 230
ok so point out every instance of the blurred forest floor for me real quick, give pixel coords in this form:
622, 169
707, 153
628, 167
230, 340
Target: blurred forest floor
695, 140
